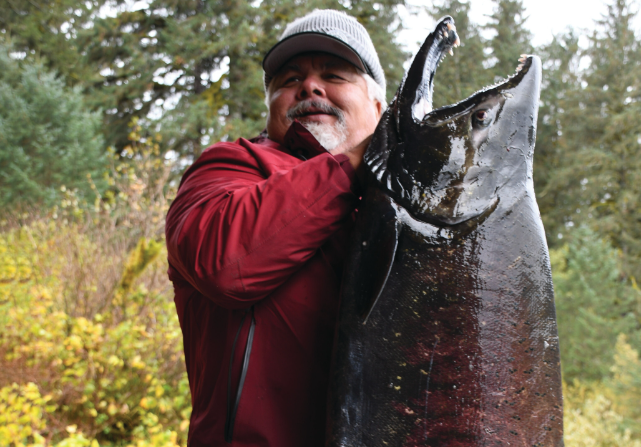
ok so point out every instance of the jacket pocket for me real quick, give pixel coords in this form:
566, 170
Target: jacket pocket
232, 405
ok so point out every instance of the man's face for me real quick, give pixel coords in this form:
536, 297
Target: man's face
325, 93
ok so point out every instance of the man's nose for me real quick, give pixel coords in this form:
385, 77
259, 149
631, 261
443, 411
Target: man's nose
310, 87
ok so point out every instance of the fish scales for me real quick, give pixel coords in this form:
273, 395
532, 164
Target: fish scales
447, 329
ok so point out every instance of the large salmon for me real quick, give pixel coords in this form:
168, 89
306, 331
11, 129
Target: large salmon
447, 330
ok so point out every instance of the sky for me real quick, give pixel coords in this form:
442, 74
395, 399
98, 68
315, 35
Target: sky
545, 18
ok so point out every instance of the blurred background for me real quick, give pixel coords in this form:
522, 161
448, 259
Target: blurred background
104, 103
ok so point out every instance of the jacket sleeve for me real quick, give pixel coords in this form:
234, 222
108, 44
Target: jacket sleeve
236, 235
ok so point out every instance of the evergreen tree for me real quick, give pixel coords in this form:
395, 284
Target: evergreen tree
510, 39
557, 119
47, 137
626, 384
162, 60
47, 30
463, 73
600, 182
593, 306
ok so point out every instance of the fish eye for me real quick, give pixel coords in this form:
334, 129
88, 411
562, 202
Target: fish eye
482, 118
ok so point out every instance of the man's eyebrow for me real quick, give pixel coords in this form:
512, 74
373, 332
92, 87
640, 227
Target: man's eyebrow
290, 67
340, 65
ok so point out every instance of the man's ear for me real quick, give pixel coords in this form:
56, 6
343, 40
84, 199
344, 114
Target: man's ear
379, 109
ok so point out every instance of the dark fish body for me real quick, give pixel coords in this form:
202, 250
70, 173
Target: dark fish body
447, 329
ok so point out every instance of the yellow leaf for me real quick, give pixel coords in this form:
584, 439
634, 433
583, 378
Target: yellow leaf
159, 391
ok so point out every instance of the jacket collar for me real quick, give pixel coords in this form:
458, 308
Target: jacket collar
298, 141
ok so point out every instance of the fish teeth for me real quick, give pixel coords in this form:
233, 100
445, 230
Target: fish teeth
446, 34
522, 60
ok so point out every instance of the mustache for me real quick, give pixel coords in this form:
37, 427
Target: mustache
304, 107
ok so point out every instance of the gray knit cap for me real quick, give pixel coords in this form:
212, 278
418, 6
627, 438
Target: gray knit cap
328, 31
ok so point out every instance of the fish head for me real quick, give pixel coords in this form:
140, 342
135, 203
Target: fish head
452, 164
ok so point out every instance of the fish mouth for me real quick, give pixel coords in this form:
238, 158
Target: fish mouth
436, 48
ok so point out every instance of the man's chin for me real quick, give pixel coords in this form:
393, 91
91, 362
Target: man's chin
318, 119
330, 136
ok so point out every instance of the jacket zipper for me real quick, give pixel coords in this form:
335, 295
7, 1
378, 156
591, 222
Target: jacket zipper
233, 409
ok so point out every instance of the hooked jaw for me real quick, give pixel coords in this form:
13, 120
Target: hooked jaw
419, 83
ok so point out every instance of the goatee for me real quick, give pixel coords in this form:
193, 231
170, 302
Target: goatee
330, 136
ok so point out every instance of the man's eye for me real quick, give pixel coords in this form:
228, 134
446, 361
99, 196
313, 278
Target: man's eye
291, 79
334, 76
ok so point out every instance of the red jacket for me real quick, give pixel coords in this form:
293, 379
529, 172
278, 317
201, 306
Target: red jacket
252, 225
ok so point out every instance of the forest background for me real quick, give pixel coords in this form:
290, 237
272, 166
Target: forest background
103, 106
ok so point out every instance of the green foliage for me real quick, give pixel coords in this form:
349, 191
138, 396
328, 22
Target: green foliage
21, 414
86, 315
558, 115
46, 29
116, 376
47, 138
511, 38
594, 305
626, 383
590, 419
606, 413
598, 177
611, 152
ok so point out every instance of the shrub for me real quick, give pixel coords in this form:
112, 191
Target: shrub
591, 421
90, 344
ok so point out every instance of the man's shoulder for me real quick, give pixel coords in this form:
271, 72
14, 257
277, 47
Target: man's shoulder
257, 156
257, 149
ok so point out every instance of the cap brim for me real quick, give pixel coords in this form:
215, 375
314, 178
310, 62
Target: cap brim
307, 43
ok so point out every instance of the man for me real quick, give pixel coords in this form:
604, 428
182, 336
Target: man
257, 235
